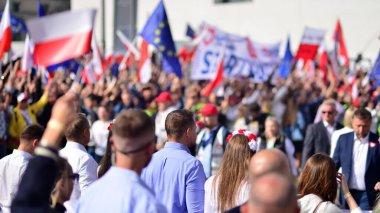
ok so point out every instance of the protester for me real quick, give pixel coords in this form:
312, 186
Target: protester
317, 186
263, 162
256, 119
125, 103
318, 136
358, 154
176, 177
271, 160
12, 167
121, 189
211, 140
78, 136
88, 108
229, 187
165, 106
272, 192
99, 132
25, 114
63, 186
273, 138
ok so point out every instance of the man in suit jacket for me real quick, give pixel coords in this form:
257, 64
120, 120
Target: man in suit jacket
358, 153
318, 135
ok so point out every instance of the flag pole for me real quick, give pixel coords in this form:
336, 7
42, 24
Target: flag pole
10, 48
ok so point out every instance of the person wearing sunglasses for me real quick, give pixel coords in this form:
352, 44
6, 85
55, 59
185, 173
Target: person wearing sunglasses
318, 136
63, 186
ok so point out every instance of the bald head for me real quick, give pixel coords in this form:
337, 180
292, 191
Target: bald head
272, 192
269, 160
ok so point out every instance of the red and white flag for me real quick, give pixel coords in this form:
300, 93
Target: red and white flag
97, 58
145, 65
323, 62
88, 74
310, 42
5, 31
27, 58
340, 45
61, 36
218, 79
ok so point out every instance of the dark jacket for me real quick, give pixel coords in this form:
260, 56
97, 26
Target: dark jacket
317, 141
343, 158
278, 144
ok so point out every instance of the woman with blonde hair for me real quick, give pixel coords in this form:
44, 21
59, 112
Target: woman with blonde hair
229, 187
317, 186
274, 138
63, 186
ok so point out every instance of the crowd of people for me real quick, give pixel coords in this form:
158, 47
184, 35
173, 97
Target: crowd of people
301, 144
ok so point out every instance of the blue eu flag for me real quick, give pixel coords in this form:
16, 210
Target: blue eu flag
375, 71
285, 66
157, 32
17, 24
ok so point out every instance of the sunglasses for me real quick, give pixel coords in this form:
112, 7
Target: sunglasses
327, 112
74, 177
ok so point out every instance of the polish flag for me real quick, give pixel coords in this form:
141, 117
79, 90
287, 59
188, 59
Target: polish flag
88, 74
27, 58
5, 31
323, 62
310, 42
340, 45
97, 59
145, 67
61, 36
217, 80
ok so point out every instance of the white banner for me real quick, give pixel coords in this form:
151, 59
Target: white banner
242, 58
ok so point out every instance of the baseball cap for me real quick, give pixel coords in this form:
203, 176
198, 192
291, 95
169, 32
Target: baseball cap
208, 109
163, 97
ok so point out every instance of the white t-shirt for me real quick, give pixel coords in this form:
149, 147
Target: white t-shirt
99, 136
12, 168
211, 204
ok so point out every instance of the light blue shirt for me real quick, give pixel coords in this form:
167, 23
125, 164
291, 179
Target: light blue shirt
177, 178
119, 190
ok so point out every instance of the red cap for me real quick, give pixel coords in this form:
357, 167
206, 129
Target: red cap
208, 109
163, 97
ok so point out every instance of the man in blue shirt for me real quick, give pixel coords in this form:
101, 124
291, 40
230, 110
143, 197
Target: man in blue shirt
174, 174
121, 189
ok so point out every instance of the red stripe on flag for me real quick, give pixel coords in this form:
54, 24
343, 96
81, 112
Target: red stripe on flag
216, 81
145, 72
307, 52
5, 41
342, 46
59, 50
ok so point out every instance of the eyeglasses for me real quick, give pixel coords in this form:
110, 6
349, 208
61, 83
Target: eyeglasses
74, 177
328, 112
